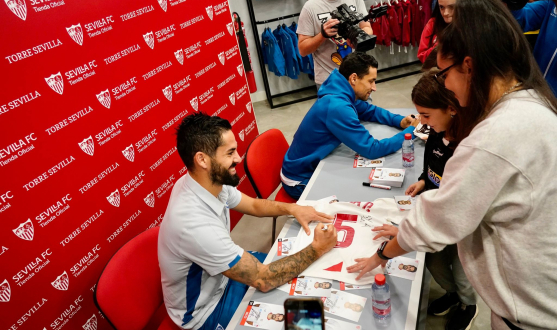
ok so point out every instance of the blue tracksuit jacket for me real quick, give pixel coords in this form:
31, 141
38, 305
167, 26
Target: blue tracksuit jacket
335, 119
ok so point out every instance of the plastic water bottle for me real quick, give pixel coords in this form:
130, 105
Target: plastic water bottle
408, 151
381, 301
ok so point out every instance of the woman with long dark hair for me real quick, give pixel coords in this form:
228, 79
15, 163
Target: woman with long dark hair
497, 197
441, 17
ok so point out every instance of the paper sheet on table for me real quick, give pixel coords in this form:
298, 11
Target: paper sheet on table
354, 222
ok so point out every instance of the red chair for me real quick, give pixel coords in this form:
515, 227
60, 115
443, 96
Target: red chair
262, 164
129, 290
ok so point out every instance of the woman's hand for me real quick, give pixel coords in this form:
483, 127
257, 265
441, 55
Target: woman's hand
415, 188
365, 265
389, 231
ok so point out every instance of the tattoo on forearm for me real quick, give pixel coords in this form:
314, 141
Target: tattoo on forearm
266, 277
285, 269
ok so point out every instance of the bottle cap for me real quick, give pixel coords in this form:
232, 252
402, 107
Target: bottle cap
408, 136
380, 279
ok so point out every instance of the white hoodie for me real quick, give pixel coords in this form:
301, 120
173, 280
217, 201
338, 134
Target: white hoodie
498, 200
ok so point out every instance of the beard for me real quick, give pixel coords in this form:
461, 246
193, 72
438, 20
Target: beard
221, 175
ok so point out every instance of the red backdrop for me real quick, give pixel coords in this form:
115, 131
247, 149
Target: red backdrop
91, 94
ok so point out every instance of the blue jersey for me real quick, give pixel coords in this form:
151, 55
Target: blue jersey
272, 55
542, 15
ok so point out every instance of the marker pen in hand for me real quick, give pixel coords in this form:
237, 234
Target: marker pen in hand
380, 186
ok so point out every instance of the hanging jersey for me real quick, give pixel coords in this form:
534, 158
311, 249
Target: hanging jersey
394, 27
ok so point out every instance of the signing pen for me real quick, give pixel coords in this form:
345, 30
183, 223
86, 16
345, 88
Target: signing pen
380, 186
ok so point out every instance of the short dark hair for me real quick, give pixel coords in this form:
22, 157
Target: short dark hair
199, 132
357, 63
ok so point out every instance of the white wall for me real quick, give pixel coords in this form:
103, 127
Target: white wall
267, 9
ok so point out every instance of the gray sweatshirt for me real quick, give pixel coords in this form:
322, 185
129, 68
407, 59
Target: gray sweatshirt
498, 201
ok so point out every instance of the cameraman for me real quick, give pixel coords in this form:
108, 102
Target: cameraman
542, 15
315, 22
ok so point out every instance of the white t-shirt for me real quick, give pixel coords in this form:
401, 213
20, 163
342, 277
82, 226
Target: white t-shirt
194, 248
314, 13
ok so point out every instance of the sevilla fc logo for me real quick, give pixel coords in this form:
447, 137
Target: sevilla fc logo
25, 230
209, 11
76, 33
129, 153
232, 98
162, 3
240, 69
91, 323
62, 282
149, 39
87, 145
5, 291
248, 107
104, 98
167, 91
221, 58
18, 7
194, 103
56, 82
230, 28
150, 199
114, 198
241, 135
179, 56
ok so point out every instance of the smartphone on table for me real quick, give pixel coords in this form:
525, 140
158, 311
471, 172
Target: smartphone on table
304, 314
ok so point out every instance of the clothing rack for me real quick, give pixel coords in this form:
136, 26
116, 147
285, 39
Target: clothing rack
270, 96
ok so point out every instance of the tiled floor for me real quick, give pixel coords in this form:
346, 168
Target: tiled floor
255, 233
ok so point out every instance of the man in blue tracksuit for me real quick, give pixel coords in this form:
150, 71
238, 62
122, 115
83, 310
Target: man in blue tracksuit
335, 119
542, 15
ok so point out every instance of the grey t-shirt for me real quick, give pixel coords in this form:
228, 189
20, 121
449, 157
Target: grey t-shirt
314, 13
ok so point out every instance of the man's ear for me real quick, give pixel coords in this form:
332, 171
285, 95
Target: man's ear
352, 79
201, 160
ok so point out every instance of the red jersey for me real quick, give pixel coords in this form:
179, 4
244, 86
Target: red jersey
394, 26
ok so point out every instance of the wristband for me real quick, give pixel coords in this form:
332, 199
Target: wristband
380, 251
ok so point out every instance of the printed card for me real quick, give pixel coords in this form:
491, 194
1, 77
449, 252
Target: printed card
405, 203
422, 131
360, 161
344, 304
264, 316
348, 286
285, 246
311, 287
402, 267
334, 324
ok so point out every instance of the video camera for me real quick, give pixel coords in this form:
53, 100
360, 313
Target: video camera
349, 29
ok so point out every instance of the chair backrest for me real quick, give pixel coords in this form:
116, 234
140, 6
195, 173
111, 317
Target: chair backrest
129, 290
263, 161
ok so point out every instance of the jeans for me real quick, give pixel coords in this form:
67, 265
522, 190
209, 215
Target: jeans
229, 302
446, 269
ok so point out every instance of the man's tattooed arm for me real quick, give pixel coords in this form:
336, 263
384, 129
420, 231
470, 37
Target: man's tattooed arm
267, 277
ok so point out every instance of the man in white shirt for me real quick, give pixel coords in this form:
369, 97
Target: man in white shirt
197, 257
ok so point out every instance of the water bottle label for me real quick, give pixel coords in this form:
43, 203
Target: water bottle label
382, 311
408, 157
